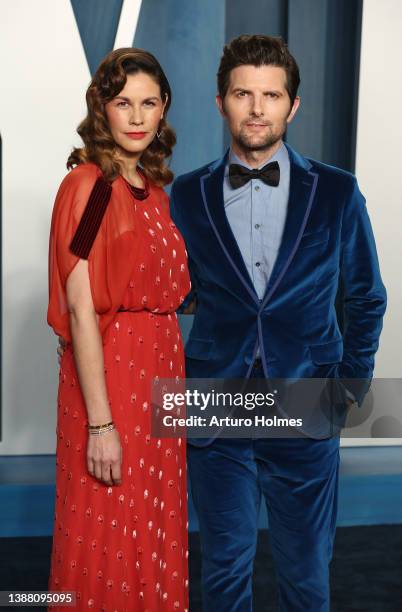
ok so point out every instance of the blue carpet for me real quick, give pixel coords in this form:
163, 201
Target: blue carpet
370, 491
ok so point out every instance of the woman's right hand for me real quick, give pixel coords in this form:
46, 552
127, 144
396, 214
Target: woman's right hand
104, 452
104, 457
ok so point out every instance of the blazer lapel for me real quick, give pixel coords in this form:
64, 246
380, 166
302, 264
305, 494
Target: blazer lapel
212, 195
302, 189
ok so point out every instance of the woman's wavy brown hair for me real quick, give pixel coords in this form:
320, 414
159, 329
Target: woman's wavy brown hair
99, 145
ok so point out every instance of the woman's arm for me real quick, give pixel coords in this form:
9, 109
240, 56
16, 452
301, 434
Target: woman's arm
104, 453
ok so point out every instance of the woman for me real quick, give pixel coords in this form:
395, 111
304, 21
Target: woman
117, 274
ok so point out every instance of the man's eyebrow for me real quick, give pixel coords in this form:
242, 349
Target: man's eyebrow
275, 91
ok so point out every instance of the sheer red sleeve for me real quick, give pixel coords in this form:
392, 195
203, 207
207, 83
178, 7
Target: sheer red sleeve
78, 231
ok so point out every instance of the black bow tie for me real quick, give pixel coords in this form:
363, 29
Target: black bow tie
240, 175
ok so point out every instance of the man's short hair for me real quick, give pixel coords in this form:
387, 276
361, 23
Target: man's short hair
258, 50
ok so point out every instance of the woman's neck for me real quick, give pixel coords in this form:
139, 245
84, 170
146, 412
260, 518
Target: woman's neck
128, 165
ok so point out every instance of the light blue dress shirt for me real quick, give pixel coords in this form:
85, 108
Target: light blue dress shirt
257, 213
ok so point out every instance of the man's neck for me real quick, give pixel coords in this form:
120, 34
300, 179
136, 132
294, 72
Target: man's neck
255, 159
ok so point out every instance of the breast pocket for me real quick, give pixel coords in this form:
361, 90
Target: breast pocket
311, 239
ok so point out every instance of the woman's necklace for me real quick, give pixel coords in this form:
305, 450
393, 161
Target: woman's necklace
140, 193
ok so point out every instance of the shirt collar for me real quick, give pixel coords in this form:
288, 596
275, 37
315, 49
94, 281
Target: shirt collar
280, 156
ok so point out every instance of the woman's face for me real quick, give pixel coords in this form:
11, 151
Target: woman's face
134, 114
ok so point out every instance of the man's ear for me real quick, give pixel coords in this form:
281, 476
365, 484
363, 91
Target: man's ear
294, 108
219, 104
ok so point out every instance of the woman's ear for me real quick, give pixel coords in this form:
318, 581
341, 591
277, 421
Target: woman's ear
164, 105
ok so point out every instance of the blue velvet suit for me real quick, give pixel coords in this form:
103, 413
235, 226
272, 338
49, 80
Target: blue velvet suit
327, 250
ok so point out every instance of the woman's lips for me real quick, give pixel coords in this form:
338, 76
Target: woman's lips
136, 135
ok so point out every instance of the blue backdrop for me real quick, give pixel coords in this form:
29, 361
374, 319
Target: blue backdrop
187, 38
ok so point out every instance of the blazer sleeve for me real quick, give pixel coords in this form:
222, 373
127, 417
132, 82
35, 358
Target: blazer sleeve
364, 296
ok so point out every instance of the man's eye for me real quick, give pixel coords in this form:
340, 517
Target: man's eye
272, 95
241, 94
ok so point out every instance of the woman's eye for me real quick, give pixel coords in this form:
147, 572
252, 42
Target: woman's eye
122, 104
149, 103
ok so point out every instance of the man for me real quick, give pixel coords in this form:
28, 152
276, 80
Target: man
271, 237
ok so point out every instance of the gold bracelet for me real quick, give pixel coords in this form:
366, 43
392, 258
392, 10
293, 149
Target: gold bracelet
99, 432
94, 427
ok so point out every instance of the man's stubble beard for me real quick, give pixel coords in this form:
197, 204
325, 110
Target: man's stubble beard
247, 145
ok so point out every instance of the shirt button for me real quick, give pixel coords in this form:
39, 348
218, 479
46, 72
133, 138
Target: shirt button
257, 188
257, 226
257, 263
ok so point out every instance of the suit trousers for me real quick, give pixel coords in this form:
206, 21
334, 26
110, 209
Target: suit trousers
298, 478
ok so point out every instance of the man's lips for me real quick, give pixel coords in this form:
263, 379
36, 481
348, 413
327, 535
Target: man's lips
254, 124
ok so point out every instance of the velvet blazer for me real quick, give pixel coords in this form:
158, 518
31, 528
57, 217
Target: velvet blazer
321, 315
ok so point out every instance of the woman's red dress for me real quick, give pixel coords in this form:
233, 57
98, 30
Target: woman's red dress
121, 548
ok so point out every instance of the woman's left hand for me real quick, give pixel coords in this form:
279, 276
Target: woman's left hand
61, 347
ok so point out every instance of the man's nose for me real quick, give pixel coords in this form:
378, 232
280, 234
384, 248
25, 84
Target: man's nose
257, 107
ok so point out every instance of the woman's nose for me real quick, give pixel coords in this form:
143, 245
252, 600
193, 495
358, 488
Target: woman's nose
136, 116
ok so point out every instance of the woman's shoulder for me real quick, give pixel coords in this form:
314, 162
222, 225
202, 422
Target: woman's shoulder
82, 175
82, 184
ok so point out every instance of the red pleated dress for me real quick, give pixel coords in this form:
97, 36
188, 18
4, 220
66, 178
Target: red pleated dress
120, 548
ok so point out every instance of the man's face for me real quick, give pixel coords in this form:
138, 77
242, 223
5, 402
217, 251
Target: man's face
257, 106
